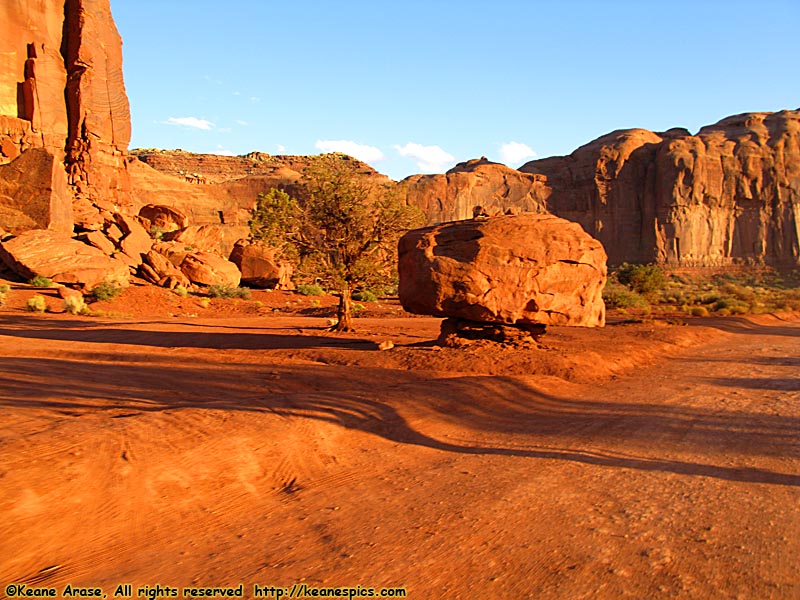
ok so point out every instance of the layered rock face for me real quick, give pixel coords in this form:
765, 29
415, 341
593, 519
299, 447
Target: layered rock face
492, 186
222, 189
730, 194
61, 93
523, 269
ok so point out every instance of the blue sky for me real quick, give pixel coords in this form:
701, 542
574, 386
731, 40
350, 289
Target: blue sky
415, 86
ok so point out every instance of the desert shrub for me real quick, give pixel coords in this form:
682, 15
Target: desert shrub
40, 281
37, 303
181, 291
740, 292
619, 296
310, 289
365, 296
205, 302
75, 305
157, 233
107, 290
647, 280
724, 303
4, 289
228, 291
698, 311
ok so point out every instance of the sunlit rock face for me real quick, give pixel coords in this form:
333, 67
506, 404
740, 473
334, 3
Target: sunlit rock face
514, 270
62, 94
730, 194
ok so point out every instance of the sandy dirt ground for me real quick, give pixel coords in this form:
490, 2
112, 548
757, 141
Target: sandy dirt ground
175, 445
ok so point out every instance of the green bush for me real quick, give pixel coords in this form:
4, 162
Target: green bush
40, 281
698, 311
181, 291
619, 296
157, 233
37, 303
107, 290
364, 296
310, 289
228, 291
647, 280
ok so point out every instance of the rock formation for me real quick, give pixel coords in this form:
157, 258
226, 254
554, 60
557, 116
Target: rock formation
62, 98
212, 189
730, 194
494, 187
59, 257
205, 268
524, 269
261, 265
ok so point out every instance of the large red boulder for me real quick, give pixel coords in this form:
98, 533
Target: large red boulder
61, 258
522, 269
261, 265
210, 269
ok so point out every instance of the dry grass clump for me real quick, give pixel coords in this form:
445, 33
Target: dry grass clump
76, 305
36, 303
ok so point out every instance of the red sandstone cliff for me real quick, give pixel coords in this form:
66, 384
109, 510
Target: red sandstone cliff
730, 194
64, 114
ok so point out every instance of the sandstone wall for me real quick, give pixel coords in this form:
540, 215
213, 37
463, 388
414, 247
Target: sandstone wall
61, 90
730, 194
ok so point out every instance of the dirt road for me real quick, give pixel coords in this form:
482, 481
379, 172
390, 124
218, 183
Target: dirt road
266, 452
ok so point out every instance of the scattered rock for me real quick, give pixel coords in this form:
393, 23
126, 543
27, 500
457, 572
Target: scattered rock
99, 241
137, 240
218, 239
260, 267
159, 270
205, 268
164, 218
519, 269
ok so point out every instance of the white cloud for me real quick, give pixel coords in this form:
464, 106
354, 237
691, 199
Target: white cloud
514, 153
242, 123
222, 152
430, 159
359, 151
192, 122
281, 148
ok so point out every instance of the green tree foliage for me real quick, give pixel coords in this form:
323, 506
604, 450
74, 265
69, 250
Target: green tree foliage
276, 214
344, 231
646, 280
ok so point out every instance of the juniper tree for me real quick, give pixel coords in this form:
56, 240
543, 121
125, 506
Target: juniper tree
343, 231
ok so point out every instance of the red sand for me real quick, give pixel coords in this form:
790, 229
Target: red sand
249, 445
